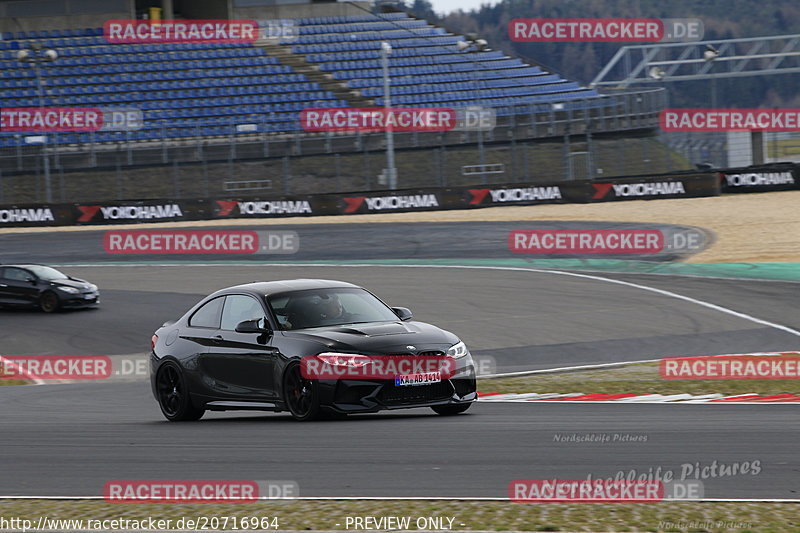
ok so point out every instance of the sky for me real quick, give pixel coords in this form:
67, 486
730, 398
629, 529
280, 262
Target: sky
446, 6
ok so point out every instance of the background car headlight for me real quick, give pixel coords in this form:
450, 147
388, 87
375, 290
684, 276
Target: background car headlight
458, 350
70, 290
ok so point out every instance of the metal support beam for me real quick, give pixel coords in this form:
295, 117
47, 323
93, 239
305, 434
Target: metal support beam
671, 62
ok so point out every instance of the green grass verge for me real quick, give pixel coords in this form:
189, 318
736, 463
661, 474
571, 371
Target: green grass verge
13, 382
636, 379
694, 517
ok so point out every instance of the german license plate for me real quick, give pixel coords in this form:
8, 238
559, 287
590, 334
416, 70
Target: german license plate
410, 380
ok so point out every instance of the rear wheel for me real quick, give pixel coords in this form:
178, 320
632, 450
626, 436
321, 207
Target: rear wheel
450, 410
48, 302
301, 395
173, 394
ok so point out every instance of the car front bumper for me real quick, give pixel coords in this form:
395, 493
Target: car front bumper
79, 300
372, 395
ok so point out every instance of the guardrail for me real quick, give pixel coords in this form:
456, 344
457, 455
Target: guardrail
783, 176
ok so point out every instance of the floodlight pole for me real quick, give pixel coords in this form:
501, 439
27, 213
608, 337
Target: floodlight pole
391, 169
473, 44
34, 56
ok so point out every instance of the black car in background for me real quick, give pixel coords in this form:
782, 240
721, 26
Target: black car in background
241, 348
44, 287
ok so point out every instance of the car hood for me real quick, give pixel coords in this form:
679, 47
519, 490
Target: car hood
72, 282
379, 337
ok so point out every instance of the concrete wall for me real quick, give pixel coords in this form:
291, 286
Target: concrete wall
204, 9
271, 9
27, 15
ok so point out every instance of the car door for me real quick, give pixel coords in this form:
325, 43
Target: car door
202, 328
18, 286
5, 293
241, 365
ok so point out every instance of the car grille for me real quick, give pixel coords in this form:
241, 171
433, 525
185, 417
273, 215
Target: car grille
432, 353
416, 394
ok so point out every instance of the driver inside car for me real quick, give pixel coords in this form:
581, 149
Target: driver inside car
321, 310
332, 311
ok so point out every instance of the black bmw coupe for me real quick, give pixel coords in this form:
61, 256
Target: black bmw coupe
252, 347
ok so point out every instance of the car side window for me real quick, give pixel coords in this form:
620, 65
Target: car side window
208, 315
239, 308
17, 274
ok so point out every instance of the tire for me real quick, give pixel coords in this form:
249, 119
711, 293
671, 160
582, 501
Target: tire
301, 395
173, 394
48, 302
451, 410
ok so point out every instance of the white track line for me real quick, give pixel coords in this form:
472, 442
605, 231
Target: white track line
567, 369
662, 292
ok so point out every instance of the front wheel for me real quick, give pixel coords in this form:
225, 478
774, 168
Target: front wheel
301, 395
450, 410
48, 302
173, 394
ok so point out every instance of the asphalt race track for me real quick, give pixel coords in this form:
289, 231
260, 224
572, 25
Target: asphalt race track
419, 240
70, 439
525, 320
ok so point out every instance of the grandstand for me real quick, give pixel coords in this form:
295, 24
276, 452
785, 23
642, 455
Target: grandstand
207, 90
240, 93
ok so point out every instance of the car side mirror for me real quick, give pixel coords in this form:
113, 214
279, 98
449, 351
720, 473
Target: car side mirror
251, 326
31, 280
403, 313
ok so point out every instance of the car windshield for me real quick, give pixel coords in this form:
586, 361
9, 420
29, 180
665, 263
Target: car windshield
328, 307
47, 273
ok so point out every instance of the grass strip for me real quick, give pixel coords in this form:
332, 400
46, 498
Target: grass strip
691, 517
642, 378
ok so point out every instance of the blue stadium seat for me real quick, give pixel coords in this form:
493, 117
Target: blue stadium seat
205, 88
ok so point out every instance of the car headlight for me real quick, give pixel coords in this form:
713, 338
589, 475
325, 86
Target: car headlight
70, 290
344, 359
457, 351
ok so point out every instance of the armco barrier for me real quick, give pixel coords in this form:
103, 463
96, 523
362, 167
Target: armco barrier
139, 211
681, 185
760, 178
653, 187
36, 215
260, 208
